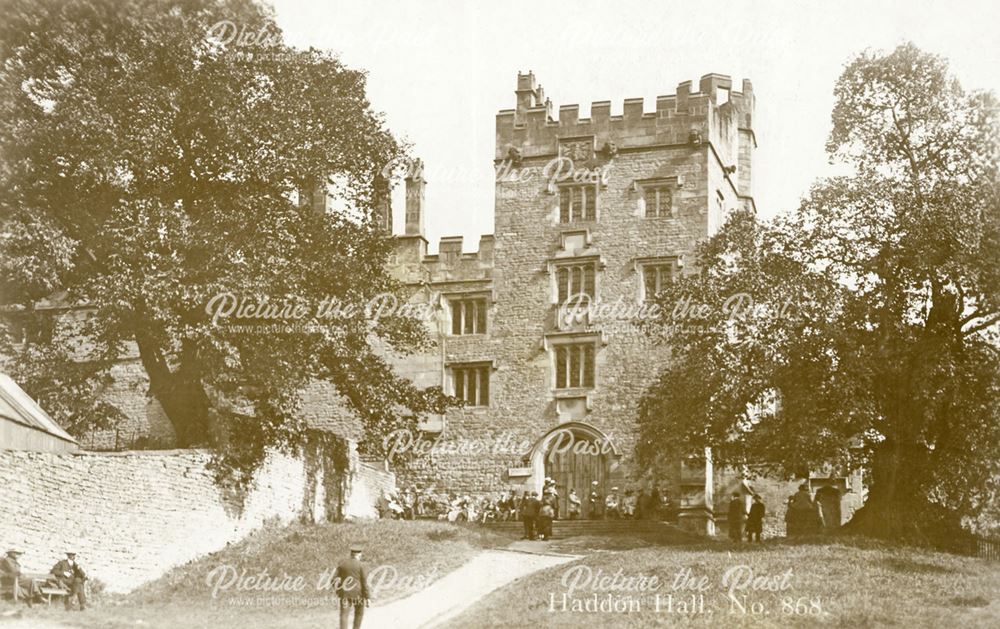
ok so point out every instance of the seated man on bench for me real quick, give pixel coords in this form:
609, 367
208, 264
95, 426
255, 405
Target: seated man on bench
70, 576
22, 587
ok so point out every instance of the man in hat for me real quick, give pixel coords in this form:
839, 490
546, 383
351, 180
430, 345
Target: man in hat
70, 576
611, 505
595, 503
532, 505
755, 519
351, 585
574, 505
10, 574
737, 512
550, 490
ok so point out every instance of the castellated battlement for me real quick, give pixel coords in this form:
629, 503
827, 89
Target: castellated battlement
451, 264
713, 113
414, 265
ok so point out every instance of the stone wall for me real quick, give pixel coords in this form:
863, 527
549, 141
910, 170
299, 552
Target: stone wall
144, 423
133, 515
370, 481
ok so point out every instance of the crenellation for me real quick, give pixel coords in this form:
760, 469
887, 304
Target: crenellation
450, 247
633, 108
486, 245
569, 115
683, 93
600, 112
666, 105
710, 84
534, 133
538, 116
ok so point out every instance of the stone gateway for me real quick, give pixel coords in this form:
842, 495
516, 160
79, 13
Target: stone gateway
596, 213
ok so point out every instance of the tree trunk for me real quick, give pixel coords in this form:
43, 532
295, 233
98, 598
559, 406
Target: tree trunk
180, 393
898, 506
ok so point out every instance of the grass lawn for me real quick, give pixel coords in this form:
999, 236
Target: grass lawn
418, 553
842, 583
839, 582
587, 544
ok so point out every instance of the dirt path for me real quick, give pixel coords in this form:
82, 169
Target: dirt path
444, 599
32, 623
459, 589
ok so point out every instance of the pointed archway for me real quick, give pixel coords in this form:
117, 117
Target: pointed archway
574, 454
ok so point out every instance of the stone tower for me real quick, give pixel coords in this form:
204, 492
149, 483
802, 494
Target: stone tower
598, 210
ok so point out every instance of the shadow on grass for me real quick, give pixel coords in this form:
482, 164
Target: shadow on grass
911, 566
672, 536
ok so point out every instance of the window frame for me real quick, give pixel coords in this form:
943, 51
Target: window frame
584, 264
480, 321
643, 186
641, 265
590, 192
659, 211
459, 372
574, 357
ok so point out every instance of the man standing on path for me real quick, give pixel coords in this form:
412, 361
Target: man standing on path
71, 577
531, 507
351, 584
736, 515
522, 505
611, 505
546, 513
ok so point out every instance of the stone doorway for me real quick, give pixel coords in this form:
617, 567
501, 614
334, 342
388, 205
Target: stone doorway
574, 455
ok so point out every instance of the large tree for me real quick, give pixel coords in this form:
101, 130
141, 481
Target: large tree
872, 340
157, 153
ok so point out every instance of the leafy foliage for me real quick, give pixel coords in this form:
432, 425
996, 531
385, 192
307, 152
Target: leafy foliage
150, 163
873, 337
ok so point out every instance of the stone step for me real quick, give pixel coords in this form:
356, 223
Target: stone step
565, 528
589, 523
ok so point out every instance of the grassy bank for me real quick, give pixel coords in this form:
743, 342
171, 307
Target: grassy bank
412, 554
850, 583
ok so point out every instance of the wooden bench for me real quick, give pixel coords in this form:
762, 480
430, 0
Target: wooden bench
8, 590
47, 590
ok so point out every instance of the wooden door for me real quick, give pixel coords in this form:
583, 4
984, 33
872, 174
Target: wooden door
577, 469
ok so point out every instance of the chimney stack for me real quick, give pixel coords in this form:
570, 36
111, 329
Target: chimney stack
415, 199
383, 204
529, 95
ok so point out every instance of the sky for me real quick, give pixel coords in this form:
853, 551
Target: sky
441, 70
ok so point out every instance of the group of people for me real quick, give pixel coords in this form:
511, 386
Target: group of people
539, 513
803, 516
66, 575
643, 505
741, 521
412, 503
